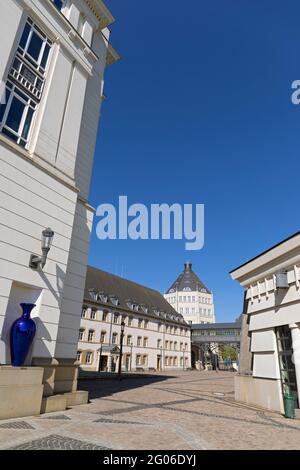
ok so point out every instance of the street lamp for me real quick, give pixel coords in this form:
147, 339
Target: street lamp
46, 241
121, 349
131, 346
100, 355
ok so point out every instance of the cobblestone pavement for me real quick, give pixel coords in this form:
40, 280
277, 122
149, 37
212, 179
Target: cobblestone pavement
175, 411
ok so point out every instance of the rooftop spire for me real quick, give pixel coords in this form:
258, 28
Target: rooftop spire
188, 266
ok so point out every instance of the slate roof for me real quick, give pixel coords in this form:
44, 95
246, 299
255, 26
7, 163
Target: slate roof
125, 291
188, 280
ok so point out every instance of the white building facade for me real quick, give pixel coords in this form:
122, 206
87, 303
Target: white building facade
52, 60
270, 342
155, 336
191, 298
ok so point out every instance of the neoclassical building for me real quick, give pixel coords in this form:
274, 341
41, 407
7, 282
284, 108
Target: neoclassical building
270, 343
53, 54
155, 337
191, 298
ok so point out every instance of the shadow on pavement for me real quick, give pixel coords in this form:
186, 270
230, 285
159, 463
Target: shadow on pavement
100, 388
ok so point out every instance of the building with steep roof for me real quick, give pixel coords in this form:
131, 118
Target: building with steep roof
191, 298
155, 335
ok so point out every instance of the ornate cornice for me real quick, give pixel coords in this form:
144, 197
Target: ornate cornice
112, 55
102, 13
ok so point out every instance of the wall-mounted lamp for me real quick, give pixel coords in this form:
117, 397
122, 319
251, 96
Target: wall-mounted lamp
282, 280
46, 242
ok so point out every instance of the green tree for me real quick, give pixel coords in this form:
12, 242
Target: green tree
227, 351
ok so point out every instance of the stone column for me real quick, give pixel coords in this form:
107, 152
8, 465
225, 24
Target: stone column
295, 331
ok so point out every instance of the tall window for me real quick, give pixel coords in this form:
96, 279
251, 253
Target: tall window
114, 338
145, 360
116, 318
91, 335
130, 321
139, 341
93, 313
105, 315
138, 360
84, 312
140, 323
88, 357
129, 340
146, 324
145, 342
78, 356
25, 84
81, 334
103, 337
159, 343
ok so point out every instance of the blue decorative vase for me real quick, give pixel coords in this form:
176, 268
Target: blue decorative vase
21, 336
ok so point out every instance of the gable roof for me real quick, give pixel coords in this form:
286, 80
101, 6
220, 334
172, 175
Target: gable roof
189, 281
125, 291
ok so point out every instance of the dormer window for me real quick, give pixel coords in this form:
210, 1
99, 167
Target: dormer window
93, 293
114, 299
103, 297
129, 303
145, 308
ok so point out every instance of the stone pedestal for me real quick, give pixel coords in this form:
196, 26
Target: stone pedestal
60, 375
21, 391
260, 392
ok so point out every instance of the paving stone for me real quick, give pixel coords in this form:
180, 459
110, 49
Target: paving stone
56, 442
16, 425
58, 417
175, 411
117, 421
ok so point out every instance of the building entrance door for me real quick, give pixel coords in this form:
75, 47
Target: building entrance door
127, 363
103, 363
158, 363
286, 365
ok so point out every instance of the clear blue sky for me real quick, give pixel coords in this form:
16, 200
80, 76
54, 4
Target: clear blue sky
199, 111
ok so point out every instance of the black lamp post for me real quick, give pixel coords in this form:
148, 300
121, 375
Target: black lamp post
100, 356
121, 350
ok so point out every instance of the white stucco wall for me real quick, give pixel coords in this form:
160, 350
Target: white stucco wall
47, 184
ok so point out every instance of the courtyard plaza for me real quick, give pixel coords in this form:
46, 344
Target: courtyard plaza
185, 410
